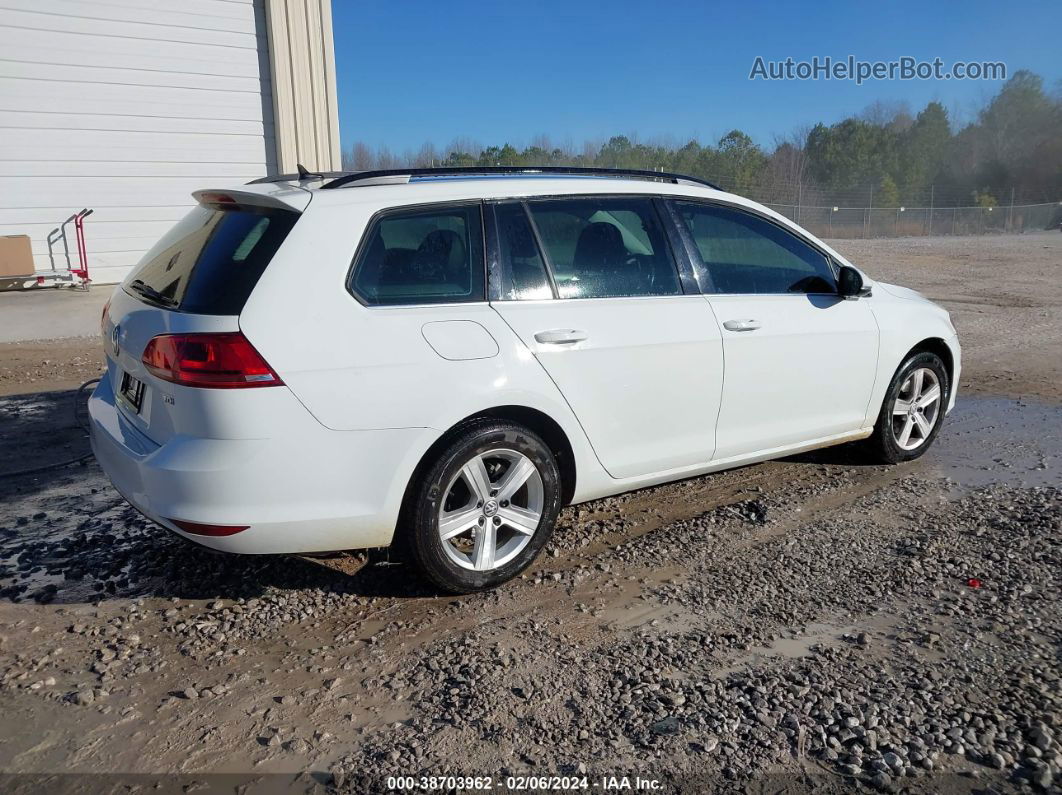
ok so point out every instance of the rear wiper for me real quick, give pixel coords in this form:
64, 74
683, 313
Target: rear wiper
151, 293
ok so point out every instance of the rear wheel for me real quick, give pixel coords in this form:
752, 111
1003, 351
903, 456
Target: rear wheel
482, 512
913, 409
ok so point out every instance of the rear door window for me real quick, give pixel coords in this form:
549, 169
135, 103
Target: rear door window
605, 247
211, 260
422, 256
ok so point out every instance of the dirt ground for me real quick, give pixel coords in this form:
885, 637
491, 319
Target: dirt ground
814, 623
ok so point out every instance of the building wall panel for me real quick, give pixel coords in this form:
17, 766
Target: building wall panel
127, 106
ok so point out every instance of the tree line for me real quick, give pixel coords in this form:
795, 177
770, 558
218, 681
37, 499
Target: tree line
885, 157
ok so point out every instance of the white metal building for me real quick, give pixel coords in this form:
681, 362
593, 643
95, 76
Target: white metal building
126, 106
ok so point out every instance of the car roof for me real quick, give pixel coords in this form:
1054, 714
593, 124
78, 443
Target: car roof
402, 189
409, 187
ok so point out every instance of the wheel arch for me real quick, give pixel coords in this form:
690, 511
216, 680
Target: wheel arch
532, 419
938, 346
552, 434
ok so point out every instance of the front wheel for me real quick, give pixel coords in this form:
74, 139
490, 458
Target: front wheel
481, 513
913, 409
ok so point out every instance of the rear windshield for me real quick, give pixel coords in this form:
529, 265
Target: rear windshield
211, 260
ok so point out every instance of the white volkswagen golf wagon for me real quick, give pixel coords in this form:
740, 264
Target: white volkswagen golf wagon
440, 359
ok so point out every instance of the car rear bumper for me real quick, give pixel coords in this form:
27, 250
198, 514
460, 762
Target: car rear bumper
315, 490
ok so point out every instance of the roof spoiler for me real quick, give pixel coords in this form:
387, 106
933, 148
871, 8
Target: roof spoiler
222, 198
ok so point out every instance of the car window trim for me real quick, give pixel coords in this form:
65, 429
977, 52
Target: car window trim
499, 272
702, 268
681, 242
544, 253
379, 215
492, 252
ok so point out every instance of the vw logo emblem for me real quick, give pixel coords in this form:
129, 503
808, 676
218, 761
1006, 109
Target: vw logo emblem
490, 508
114, 338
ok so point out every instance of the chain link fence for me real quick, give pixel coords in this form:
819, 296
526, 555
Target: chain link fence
849, 222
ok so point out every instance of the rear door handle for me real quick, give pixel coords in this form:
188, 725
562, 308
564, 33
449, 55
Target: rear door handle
741, 325
561, 336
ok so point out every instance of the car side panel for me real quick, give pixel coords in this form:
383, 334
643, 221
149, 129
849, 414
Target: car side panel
804, 372
368, 368
354, 373
645, 384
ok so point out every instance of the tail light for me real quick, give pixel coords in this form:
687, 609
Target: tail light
214, 361
103, 317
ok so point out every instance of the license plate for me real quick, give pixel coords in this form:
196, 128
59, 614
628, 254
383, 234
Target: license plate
132, 391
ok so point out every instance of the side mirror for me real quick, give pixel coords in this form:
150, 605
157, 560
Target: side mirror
850, 283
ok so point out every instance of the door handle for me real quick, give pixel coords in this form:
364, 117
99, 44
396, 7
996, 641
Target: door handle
742, 325
561, 336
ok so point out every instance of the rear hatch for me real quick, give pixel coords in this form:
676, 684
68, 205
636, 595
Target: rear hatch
180, 307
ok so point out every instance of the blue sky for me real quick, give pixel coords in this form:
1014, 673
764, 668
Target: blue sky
496, 72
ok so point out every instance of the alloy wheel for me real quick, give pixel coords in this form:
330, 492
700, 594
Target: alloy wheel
491, 509
917, 406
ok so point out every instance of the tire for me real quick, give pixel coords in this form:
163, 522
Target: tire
451, 494
889, 443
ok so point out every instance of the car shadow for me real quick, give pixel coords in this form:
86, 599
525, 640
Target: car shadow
851, 454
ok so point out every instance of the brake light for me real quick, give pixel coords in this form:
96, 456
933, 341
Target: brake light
214, 361
216, 199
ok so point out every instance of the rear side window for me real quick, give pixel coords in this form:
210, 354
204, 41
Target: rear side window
748, 254
211, 260
424, 256
602, 247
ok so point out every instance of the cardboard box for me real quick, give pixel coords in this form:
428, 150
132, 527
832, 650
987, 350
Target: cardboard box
16, 256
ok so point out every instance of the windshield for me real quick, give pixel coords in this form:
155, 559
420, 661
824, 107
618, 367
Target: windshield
211, 260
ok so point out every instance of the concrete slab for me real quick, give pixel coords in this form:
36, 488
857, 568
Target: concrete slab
51, 313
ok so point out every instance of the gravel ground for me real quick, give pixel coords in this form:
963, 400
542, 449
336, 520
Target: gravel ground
808, 624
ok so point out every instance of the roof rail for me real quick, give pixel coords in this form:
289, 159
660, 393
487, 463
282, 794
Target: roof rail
402, 175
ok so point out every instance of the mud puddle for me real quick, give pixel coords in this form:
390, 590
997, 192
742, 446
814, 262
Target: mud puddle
999, 440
